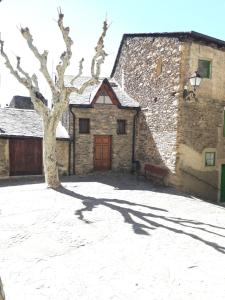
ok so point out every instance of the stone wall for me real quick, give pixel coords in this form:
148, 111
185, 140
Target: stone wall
62, 153
103, 121
62, 157
149, 68
4, 158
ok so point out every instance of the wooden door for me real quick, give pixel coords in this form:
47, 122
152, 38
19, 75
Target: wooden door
222, 185
102, 152
25, 156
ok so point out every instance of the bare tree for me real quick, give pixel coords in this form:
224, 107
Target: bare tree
2, 294
59, 92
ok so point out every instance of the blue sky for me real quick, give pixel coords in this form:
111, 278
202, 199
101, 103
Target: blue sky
85, 20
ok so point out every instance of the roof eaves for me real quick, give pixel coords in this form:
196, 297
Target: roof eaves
81, 105
129, 107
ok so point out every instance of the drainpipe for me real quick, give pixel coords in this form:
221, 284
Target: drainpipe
74, 118
69, 156
135, 163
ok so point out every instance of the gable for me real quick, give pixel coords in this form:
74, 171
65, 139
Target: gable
105, 95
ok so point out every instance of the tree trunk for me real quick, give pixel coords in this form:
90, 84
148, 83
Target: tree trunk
2, 294
49, 154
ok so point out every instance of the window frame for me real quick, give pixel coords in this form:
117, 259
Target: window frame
209, 71
124, 127
86, 127
104, 100
214, 159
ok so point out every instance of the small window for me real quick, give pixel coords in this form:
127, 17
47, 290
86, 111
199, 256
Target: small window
204, 68
84, 125
104, 99
121, 126
210, 159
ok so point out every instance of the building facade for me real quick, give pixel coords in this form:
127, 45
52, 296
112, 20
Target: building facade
184, 136
102, 128
147, 116
21, 144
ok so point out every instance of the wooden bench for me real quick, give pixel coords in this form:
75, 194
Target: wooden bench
156, 173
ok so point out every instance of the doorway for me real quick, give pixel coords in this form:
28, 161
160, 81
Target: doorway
222, 184
102, 152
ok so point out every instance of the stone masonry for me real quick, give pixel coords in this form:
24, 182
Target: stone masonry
149, 69
201, 123
4, 158
173, 132
62, 154
103, 121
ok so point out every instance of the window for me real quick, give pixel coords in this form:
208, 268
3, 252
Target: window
104, 99
121, 126
84, 125
204, 68
210, 158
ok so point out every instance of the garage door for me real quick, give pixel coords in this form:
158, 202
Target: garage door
25, 156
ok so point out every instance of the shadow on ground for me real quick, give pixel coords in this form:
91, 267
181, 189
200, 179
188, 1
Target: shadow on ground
21, 180
144, 218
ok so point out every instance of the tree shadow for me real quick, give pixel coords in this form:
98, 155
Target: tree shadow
144, 218
123, 181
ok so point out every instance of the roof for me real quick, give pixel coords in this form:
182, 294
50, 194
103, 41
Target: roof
24, 123
23, 102
86, 98
181, 35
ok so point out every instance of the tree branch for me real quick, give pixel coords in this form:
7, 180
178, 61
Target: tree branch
97, 61
79, 72
42, 58
100, 55
8, 64
22, 71
35, 81
26, 81
65, 56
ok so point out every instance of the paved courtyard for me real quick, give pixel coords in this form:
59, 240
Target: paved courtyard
109, 237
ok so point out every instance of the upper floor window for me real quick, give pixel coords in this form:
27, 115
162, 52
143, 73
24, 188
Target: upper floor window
104, 99
210, 158
121, 126
204, 68
84, 125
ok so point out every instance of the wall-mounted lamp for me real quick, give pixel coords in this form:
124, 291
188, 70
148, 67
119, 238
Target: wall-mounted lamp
195, 81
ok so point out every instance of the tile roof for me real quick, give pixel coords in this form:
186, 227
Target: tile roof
85, 99
24, 123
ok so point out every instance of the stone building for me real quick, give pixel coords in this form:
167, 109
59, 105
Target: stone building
102, 124
179, 138
147, 116
21, 143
